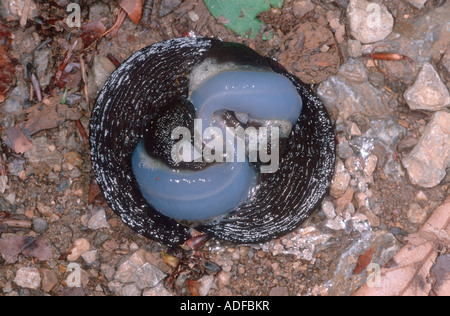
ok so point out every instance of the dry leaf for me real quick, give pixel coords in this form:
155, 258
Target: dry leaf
7, 70
17, 140
133, 8
409, 271
91, 32
194, 287
28, 246
49, 115
363, 261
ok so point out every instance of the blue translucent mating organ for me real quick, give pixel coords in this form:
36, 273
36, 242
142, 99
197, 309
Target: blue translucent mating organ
222, 187
262, 95
192, 195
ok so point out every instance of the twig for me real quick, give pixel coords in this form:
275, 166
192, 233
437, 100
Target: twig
43, 44
17, 223
64, 64
113, 60
2, 166
83, 133
146, 13
83, 76
37, 87
119, 21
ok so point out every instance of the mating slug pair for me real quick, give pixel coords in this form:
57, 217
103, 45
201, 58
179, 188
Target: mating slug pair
199, 133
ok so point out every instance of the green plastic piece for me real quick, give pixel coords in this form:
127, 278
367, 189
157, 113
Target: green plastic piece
240, 15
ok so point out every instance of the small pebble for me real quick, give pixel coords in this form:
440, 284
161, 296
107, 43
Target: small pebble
98, 219
89, 256
369, 22
224, 278
341, 180
29, 278
130, 290
49, 280
40, 225
328, 209
193, 16
420, 196
428, 93
416, 215
344, 151
279, 291
80, 245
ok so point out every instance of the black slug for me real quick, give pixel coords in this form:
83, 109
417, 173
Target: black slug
199, 133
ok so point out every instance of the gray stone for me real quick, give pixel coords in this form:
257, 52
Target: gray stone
89, 256
137, 269
101, 70
428, 92
328, 209
130, 290
41, 60
98, 219
349, 93
148, 276
427, 162
29, 278
369, 22
344, 150
377, 79
115, 286
108, 271
40, 225
418, 3
98, 11
17, 99
345, 278
381, 140
158, 290
303, 244
168, 6
206, 284
354, 48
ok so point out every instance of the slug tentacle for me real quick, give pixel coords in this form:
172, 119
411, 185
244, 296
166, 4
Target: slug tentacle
195, 132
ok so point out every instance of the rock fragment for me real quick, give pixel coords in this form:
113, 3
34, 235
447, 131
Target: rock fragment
349, 93
79, 247
428, 161
29, 278
428, 92
369, 22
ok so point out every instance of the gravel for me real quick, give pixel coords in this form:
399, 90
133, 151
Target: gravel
391, 173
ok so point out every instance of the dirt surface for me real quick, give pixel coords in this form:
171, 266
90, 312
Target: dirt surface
50, 202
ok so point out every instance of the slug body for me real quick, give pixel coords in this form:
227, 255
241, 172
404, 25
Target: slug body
220, 139
216, 190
